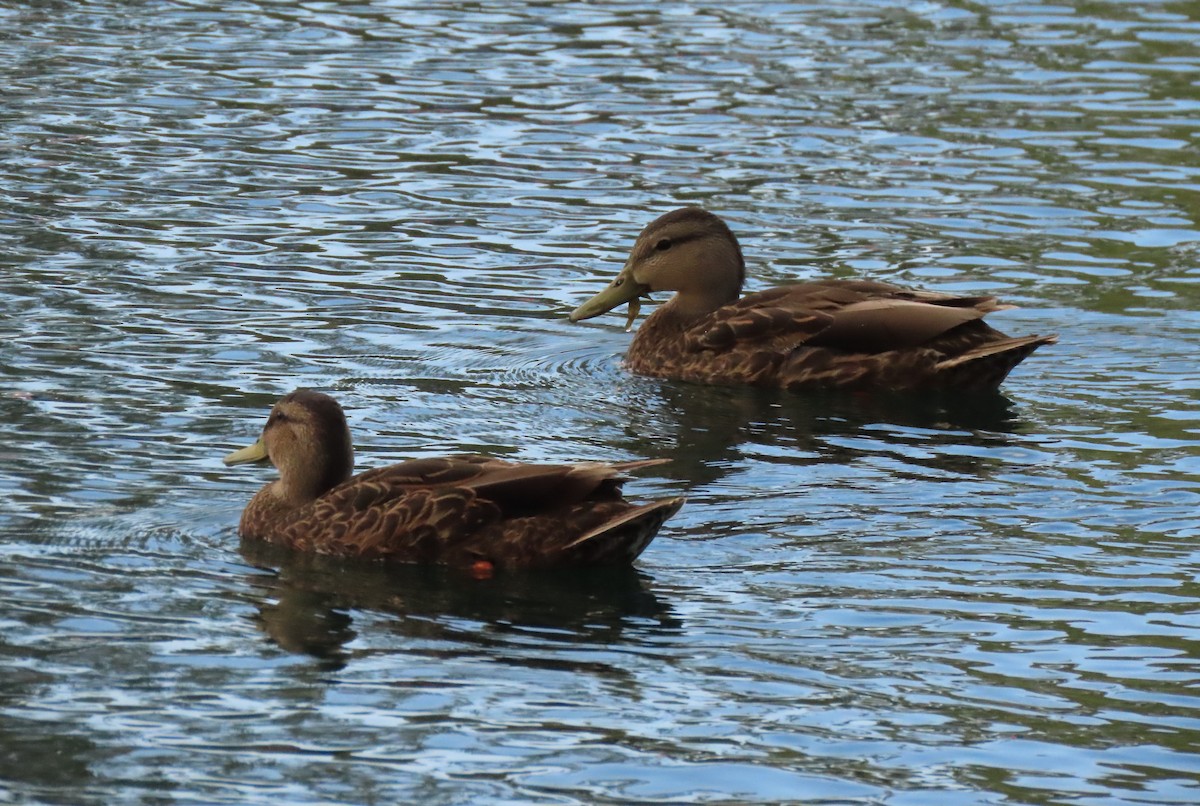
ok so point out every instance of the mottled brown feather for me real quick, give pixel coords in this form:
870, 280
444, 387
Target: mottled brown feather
453, 510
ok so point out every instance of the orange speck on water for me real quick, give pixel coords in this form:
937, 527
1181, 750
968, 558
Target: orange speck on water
482, 569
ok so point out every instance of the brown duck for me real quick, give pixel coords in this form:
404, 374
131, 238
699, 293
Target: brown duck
827, 334
458, 510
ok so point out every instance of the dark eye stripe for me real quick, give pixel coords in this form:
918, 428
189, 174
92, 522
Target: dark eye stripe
671, 242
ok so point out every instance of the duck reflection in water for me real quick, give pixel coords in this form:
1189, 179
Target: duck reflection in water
308, 603
467, 536
711, 429
810, 365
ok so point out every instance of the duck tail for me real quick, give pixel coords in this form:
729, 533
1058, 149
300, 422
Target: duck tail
985, 367
620, 539
636, 464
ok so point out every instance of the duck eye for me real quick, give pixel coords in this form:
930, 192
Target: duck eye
663, 245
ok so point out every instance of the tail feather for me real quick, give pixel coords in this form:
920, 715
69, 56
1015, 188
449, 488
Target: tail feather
622, 538
986, 366
636, 464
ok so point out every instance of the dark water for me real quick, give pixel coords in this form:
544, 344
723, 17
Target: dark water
204, 205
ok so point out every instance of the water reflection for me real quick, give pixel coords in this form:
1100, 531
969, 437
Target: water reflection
307, 603
708, 430
34, 746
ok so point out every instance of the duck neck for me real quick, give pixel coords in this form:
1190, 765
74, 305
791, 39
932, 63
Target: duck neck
687, 307
309, 475
297, 492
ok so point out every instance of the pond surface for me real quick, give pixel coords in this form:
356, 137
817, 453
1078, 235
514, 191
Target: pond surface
204, 205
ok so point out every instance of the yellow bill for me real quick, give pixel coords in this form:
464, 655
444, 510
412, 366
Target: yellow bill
251, 453
621, 290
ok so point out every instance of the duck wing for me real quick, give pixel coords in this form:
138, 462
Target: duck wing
857, 316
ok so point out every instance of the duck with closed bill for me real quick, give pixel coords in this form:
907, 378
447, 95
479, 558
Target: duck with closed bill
827, 334
458, 510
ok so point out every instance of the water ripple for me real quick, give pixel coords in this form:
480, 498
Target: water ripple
865, 599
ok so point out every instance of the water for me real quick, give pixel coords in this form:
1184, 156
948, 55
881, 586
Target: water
204, 205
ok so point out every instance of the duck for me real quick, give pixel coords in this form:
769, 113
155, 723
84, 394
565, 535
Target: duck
470, 511
826, 334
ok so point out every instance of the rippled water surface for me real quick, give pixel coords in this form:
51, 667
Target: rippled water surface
204, 205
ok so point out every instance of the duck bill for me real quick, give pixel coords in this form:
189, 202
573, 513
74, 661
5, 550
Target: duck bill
251, 453
621, 290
